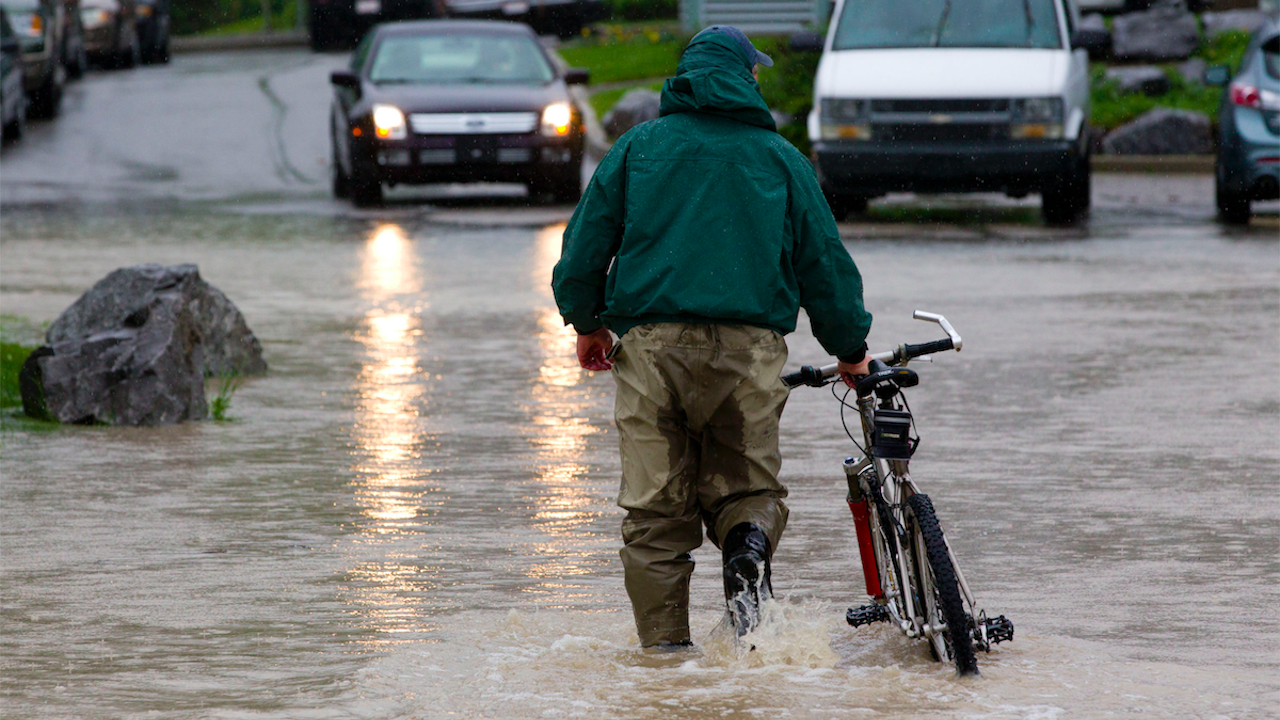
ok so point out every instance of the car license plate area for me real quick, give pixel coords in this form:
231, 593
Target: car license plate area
477, 150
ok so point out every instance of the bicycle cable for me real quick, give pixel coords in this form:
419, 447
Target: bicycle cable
844, 423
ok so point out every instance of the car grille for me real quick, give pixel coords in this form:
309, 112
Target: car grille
473, 123
958, 120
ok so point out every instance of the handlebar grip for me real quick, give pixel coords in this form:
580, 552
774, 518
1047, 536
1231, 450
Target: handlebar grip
808, 375
929, 348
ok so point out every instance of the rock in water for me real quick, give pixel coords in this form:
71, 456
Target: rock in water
1162, 132
637, 106
1165, 32
135, 349
229, 345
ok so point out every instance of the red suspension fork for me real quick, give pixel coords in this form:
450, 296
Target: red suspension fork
862, 523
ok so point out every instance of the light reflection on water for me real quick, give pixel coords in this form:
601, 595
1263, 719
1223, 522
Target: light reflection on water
392, 485
558, 430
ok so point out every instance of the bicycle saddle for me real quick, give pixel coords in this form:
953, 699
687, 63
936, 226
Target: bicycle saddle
881, 373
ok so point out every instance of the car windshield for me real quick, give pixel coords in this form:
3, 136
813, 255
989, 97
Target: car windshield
947, 23
447, 59
1271, 57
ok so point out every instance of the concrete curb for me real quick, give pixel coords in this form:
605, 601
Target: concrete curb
257, 41
1196, 164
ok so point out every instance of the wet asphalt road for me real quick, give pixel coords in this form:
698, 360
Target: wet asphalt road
412, 514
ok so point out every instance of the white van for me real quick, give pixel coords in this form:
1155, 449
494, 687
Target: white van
954, 96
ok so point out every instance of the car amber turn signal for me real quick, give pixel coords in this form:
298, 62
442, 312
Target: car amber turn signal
388, 123
556, 120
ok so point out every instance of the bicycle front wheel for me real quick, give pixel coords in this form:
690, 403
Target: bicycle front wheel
939, 589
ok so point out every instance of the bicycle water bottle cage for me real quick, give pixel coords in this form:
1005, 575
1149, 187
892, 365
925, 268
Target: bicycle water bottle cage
899, 376
891, 438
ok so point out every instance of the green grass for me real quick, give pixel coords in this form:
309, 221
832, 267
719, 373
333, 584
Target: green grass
639, 60
12, 355
228, 383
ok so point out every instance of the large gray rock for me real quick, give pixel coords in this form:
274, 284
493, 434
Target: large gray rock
1217, 23
1145, 79
636, 106
228, 344
1162, 132
1165, 32
135, 350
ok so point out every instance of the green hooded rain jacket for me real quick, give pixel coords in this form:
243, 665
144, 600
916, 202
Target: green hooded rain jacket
707, 215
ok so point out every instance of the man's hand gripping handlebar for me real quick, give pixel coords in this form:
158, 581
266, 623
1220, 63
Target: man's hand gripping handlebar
881, 366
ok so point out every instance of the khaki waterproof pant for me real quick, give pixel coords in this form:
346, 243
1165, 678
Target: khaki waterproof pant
697, 412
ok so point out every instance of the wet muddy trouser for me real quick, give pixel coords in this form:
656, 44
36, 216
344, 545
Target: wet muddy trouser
697, 412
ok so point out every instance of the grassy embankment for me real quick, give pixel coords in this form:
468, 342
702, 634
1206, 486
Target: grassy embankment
624, 55
18, 338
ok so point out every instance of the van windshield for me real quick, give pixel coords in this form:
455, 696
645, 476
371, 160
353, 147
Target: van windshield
947, 23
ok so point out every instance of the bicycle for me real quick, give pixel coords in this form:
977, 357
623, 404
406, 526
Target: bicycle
910, 570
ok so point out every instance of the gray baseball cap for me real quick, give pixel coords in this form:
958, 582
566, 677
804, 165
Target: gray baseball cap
741, 38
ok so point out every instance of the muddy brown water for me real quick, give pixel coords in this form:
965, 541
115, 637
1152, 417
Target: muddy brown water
411, 515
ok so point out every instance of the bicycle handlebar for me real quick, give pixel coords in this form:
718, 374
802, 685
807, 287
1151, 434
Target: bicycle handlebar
819, 376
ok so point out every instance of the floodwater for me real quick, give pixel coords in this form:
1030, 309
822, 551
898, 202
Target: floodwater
411, 515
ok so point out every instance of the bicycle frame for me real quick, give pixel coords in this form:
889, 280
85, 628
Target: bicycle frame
910, 569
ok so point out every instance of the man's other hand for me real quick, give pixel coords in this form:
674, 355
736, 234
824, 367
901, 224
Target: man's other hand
849, 372
593, 350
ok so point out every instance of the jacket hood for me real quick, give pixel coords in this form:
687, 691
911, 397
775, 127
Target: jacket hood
714, 77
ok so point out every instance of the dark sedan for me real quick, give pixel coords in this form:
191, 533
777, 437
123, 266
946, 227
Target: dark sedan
443, 101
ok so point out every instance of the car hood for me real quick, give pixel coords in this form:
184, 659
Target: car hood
942, 73
466, 98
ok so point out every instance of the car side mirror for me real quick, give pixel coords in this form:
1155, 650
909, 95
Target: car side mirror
807, 41
1094, 41
345, 78
1217, 75
576, 76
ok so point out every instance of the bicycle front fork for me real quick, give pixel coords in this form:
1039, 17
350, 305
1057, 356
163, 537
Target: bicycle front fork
862, 523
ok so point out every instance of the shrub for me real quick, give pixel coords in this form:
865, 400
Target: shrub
643, 9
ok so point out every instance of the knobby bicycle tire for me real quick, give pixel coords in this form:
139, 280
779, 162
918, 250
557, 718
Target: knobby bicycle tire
946, 585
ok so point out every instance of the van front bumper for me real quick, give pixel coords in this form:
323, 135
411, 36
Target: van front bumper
871, 168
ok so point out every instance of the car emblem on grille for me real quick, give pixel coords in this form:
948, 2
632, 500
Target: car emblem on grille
940, 119
475, 123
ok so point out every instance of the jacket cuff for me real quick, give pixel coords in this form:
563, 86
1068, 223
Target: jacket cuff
855, 358
586, 328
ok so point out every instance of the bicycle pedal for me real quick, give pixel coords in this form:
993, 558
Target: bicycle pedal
866, 615
996, 629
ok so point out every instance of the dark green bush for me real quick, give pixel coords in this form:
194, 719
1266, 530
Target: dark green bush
788, 86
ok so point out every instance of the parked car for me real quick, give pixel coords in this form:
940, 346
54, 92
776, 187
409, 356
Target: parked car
13, 97
1248, 164
38, 25
111, 32
154, 19
336, 24
975, 97
455, 101
563, 18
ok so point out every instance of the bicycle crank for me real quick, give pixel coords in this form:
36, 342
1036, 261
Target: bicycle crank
989, 631
866, 615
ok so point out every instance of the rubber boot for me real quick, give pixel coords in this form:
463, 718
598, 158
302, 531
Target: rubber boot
746, 575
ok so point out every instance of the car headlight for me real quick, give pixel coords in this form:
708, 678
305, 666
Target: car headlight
557, 120
388, 123
94, 18
1037, 118
845, 119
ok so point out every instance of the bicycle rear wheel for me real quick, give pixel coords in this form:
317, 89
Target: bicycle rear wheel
938, 588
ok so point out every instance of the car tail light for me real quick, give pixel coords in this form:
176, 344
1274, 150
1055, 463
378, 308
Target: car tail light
1246, 95
37, 24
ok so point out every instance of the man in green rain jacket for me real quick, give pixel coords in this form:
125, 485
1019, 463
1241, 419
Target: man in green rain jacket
697, 241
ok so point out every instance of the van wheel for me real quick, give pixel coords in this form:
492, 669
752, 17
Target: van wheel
1066, 199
